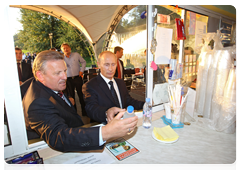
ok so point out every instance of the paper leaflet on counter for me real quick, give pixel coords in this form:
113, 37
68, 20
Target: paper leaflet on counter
92, 158
121, 148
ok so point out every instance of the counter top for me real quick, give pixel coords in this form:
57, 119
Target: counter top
196, 145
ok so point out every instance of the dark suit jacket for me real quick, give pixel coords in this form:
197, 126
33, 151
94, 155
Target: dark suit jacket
26, 71
116, 73
98, 98
49, 116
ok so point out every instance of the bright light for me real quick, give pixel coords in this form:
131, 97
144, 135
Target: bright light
14, 15
135, 43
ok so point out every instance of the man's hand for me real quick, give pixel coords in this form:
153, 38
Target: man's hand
72, 101
119, 127
80, 74
110, 113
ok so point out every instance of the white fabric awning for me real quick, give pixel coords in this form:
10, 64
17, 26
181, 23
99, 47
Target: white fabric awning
92, 20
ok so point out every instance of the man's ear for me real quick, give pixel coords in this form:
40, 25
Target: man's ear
98, 63
39, 75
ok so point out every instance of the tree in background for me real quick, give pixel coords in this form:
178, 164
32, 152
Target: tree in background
133, 21
35, 34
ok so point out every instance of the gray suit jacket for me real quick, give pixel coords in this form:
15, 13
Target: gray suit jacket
49, 116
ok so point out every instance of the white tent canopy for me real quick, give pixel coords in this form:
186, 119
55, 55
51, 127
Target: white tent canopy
92, 20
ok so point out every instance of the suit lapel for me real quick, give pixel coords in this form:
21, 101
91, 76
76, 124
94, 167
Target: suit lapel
104, 87
63, 103
58, 99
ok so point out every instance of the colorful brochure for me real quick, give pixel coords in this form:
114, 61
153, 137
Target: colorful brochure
121, 148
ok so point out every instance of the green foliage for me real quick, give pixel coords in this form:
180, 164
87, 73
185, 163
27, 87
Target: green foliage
132, 21
17, 42
36, 29
35, 34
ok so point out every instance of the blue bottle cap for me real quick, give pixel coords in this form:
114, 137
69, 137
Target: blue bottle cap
143, 14
130, 109
147, 99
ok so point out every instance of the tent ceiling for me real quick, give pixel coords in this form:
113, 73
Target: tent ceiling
95, 20
92, 20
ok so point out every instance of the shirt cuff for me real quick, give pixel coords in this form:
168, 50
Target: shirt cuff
101, 142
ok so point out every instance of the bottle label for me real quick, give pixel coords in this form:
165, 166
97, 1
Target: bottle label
147, 114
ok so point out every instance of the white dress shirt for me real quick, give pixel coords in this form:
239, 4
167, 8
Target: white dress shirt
115, 87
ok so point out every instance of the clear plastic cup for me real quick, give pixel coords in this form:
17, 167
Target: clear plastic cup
167, 110
176, 115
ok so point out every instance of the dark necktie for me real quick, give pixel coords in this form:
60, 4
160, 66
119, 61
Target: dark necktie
60, 94
19, 72
114, 94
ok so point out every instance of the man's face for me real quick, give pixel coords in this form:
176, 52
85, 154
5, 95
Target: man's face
18, 55
66, 50
55, 75
119, 54
107, 65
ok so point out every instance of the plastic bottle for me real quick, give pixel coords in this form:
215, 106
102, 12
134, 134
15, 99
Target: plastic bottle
147, 114
129, 112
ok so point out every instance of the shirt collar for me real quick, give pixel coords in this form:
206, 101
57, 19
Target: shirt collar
69, 55
106, 79
55, 91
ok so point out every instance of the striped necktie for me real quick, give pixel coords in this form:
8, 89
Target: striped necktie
60, 94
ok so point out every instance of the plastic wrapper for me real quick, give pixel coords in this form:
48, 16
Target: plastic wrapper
217, 52
205, 60
216, 88
202, 78
211, 84
227, 119
232, 50
223, 108
225, 63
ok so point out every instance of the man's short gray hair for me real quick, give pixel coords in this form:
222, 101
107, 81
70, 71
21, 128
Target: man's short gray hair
41, 59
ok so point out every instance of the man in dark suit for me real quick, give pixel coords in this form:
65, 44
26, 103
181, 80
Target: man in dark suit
100, 103
24, 69
118, 51
50, 115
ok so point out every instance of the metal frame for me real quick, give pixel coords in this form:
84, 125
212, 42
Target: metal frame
114, 23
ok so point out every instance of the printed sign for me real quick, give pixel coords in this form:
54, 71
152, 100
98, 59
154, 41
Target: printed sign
163, 19
121, 148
